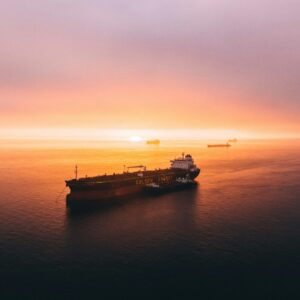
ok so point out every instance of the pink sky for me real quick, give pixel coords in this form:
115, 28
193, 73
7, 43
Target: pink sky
229, 65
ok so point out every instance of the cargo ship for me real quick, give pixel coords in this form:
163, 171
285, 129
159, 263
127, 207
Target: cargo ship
218, 145
180, 174
153, 142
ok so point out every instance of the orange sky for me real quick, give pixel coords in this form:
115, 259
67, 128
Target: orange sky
202, 66
167, 105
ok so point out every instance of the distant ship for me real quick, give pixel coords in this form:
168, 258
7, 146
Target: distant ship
232, 140
218, 145
181, 173
153, 142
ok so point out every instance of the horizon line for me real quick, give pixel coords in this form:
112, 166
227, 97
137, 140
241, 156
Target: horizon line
114, 134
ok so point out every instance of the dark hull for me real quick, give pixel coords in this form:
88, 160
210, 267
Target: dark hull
127, 186
219, 146
86, 202
97, 194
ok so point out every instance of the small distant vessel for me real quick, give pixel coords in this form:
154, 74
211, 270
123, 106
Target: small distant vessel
153, 142
232, 140
218, 145
180, 174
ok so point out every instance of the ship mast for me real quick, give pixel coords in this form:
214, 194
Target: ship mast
76, 172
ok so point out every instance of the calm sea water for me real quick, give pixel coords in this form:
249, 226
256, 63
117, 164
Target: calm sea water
236, 235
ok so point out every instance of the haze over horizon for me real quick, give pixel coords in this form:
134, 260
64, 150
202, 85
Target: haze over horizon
208, 66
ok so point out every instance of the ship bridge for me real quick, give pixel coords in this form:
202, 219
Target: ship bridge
185, 162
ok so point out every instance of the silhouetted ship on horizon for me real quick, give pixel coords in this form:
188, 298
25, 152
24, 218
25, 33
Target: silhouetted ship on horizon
180, 174
218, 145
153, 142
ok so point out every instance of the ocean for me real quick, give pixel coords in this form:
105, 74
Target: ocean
236, 235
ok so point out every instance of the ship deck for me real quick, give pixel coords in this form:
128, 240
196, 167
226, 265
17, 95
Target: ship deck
124, 176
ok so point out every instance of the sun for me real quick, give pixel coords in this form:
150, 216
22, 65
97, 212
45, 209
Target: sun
135, 138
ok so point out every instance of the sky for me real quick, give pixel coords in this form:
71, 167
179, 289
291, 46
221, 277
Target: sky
212, 65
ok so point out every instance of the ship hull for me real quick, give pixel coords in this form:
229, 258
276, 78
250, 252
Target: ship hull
86, 201
97, 194
219, 146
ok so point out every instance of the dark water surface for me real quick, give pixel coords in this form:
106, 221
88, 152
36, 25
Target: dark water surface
236, 235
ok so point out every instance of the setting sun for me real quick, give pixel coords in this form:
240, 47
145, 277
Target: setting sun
135, 139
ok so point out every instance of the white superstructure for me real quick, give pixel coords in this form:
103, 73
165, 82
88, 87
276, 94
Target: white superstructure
185, 162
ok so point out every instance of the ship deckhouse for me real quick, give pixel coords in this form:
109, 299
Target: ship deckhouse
185, 162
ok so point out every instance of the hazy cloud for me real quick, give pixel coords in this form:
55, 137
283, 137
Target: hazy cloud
253, 45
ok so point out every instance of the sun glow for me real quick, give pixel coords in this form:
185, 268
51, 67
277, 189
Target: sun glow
135, 139
133, 135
